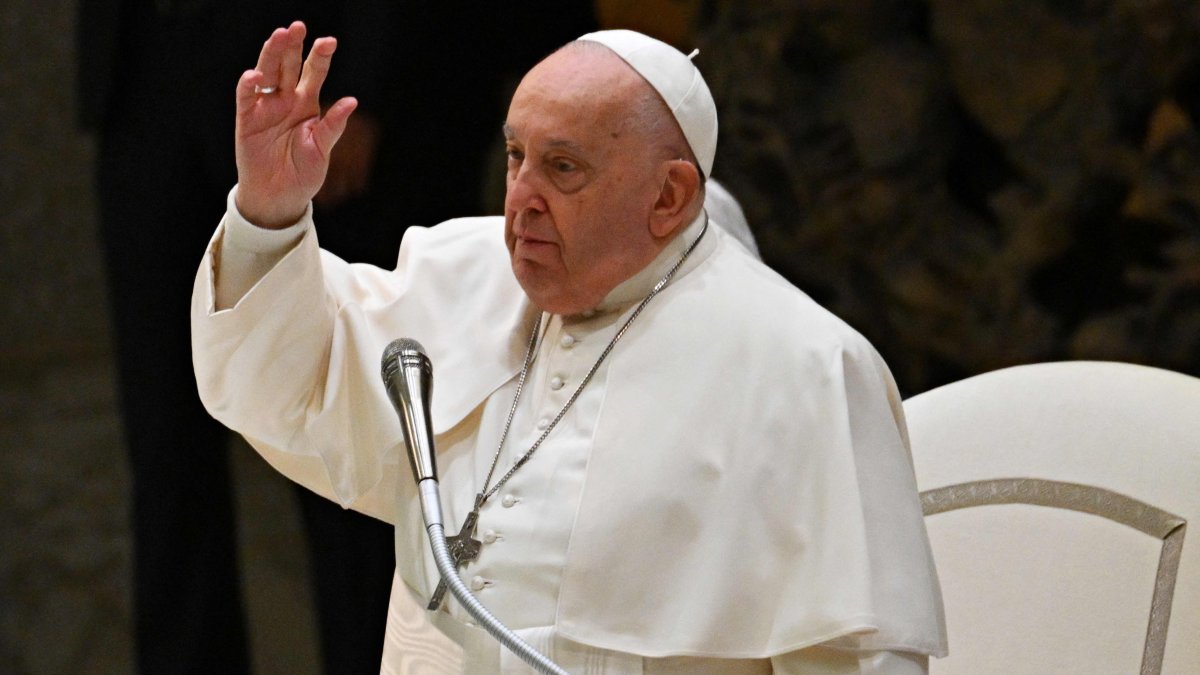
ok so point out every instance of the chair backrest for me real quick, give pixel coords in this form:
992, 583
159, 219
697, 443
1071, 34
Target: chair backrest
1057, 498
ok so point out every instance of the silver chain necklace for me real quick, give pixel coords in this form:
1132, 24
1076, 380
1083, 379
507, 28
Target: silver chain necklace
463, 547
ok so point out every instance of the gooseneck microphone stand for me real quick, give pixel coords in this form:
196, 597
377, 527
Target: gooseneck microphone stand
408, 377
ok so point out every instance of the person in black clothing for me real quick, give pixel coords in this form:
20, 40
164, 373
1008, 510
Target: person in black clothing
155, 78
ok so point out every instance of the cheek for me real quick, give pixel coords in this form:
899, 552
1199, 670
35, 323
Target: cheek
571, 220
588, 242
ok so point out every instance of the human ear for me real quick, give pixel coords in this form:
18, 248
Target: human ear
680, 188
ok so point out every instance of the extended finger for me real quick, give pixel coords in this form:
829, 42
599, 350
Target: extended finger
246, 94
328, 130
316, 66
289, 74
270, 57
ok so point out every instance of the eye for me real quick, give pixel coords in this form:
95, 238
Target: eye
514, 155
568, 173
563, 165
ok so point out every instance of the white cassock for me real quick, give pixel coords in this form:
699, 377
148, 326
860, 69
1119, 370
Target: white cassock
731, 493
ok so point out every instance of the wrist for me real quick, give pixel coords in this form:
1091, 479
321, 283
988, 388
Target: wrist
268, 214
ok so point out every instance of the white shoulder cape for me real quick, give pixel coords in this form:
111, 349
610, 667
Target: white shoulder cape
749, 492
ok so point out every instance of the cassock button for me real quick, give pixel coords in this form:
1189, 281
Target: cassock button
489, 537
508, 502
543, 423
478, 583
567, 341
556, 383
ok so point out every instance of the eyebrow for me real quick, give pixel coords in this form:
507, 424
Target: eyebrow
572, 146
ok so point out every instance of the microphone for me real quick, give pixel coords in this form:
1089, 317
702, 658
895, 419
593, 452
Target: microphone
408, 377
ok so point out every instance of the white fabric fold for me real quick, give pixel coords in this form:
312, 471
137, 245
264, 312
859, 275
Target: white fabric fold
727, 516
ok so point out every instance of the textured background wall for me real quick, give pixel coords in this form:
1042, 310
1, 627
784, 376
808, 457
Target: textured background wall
64, 541
64, 556
971, 183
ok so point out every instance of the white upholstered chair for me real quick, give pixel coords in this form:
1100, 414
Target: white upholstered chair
1057, 498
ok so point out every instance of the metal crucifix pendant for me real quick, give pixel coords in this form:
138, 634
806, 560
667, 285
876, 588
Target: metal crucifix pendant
463, 549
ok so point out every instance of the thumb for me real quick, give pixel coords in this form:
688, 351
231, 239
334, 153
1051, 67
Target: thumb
328, 130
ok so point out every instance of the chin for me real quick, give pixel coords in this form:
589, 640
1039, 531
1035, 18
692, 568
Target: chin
540, 290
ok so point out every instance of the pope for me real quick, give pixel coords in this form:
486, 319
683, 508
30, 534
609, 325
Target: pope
672, 459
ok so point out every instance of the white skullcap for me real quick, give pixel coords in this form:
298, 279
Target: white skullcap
676, 80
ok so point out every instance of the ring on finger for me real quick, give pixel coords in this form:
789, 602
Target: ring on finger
258, 89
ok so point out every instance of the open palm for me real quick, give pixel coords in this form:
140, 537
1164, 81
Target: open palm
282, 141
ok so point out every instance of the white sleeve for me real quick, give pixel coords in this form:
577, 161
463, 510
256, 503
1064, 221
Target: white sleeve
825, 661
247, 252
279, 344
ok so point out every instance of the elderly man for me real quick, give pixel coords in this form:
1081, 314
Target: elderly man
674, 460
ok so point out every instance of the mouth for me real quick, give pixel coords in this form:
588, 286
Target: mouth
523, 237
525, 244
533, 249
532, 241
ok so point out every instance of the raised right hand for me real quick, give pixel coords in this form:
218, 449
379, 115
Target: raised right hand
282, 141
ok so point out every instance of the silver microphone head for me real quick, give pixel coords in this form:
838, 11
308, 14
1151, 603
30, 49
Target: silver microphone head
408, 378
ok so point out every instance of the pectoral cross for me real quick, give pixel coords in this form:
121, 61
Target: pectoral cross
463, 549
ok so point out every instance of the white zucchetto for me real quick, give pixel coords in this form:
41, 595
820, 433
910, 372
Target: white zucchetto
677, 81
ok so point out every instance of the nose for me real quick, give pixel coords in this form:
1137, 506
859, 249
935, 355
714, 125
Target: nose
524, 189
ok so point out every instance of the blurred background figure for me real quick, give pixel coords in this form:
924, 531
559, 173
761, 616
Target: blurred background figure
724, 209
156, 84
